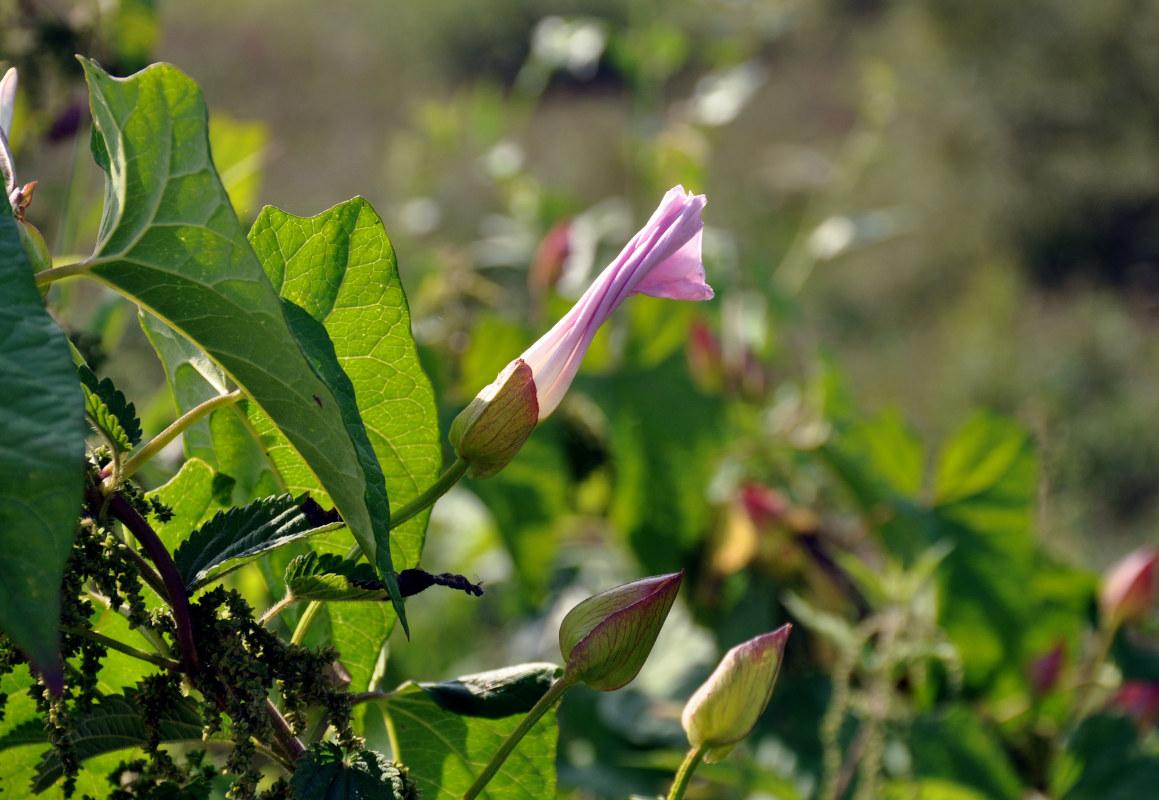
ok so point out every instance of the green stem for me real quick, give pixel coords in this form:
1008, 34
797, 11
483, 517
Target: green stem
45, 277
436, 490
129, 650
179, 426
304, 621
684, 774
525, 725
433, 493
277, 608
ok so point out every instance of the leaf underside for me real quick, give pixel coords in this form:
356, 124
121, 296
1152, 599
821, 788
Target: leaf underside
170, 241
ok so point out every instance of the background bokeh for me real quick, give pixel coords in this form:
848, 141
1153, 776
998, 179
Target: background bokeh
917, 212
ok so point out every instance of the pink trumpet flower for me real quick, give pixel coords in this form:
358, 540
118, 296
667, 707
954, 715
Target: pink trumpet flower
662, 260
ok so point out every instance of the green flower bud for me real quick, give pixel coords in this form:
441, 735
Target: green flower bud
606, 638
34, 247
489, 432
725, 709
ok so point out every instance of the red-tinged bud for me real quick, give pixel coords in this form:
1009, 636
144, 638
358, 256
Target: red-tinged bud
1043, 671
489, 432
725, 709
705, 362
1128, 588
764, 505
1140, 699
605, 640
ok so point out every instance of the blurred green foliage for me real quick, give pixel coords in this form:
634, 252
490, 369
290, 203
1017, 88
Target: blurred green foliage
915, 210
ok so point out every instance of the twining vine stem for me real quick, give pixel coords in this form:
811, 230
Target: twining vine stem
538, 710
684, 774
179, 426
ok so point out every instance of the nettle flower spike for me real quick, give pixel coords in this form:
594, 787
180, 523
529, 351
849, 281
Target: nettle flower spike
725, 709
662, 260
1129, 588
606, 639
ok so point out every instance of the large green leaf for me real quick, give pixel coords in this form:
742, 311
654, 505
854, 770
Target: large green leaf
445, 751
170, 241
340, 267
42, 439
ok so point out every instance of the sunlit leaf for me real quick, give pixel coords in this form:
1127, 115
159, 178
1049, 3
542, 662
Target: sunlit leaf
329, 577
170, 241
446, 751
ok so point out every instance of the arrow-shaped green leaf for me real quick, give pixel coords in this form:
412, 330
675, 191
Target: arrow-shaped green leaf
170, 241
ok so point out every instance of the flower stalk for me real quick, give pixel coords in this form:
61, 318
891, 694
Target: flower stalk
525, 725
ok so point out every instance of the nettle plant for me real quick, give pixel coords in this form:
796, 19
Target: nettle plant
290, 358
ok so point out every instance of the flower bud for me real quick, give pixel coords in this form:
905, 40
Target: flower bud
489, 432
606, 638
725, 709
1042, 673
34, 247
1128, 588
1140, 699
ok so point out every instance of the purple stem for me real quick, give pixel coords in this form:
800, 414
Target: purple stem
123, 510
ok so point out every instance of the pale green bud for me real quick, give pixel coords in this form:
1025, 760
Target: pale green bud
489, 432
725, 709
606, 638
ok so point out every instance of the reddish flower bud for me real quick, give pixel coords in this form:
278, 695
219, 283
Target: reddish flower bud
1128, 588
606, 638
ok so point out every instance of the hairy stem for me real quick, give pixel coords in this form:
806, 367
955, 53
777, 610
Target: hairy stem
277, 608
546, 702
684, 774
179, 426
304, 621
129, 650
